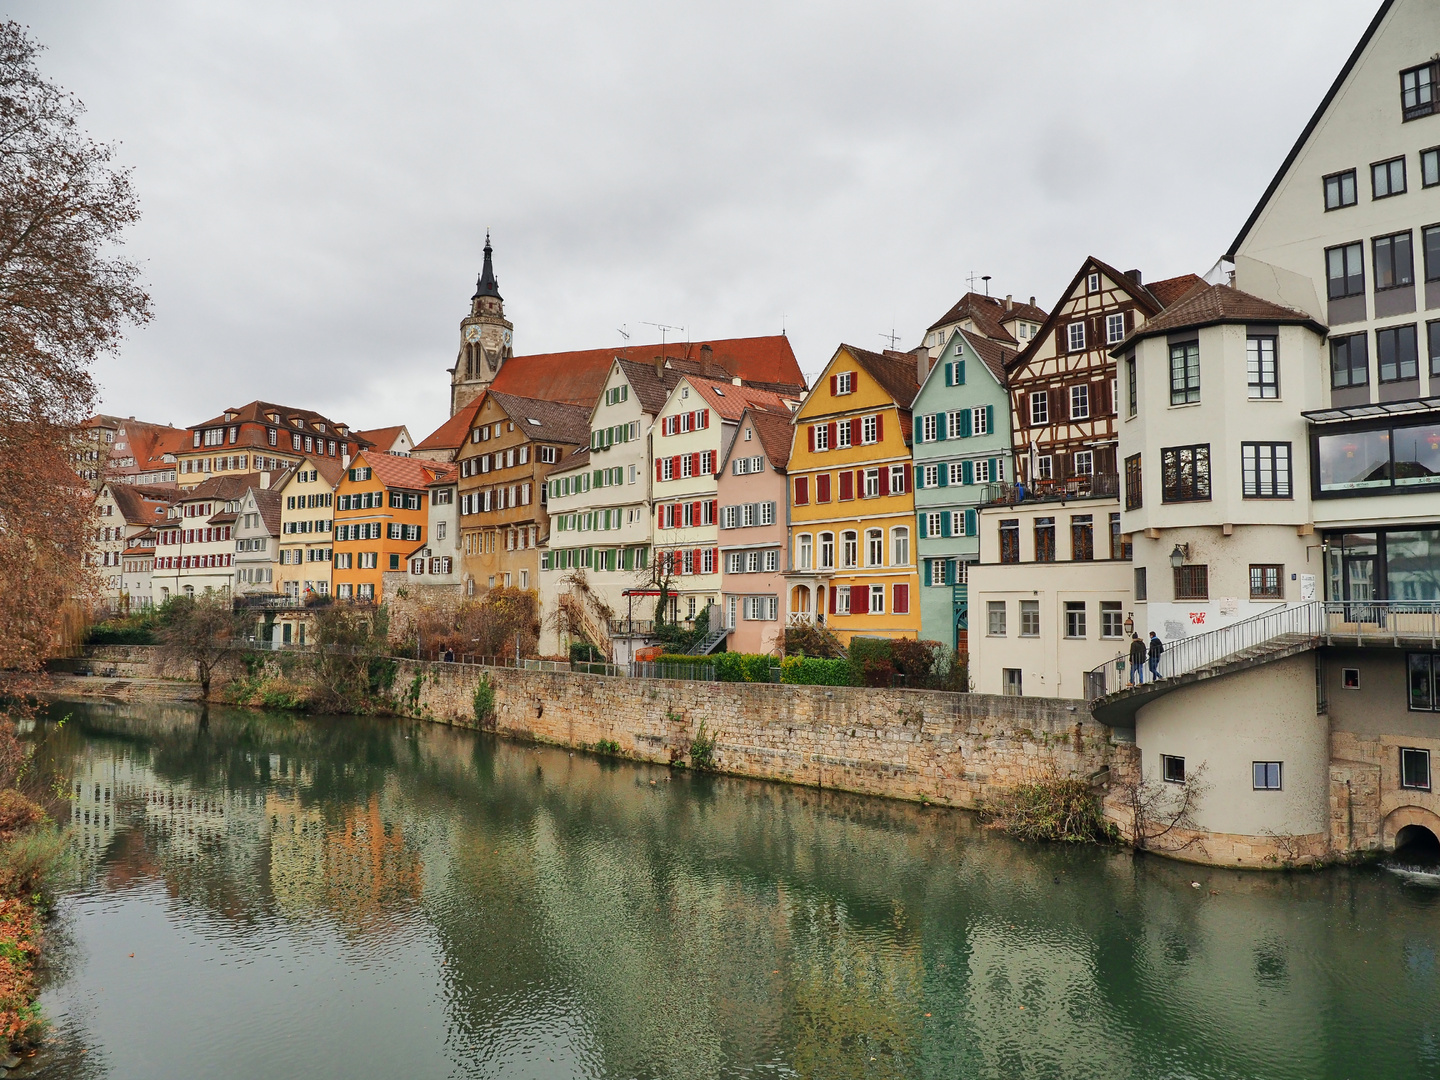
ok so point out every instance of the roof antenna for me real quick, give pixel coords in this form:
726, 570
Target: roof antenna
971, 280
891, 337
986, 279
782, 324
662, 327
622, 332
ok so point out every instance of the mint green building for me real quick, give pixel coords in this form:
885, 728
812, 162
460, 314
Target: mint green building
962, 445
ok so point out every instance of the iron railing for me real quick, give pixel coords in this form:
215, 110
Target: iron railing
1098, 486
1382, 622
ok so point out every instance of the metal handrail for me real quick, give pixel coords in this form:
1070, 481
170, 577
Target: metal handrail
1096, 486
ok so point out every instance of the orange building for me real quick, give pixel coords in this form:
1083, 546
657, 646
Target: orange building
381, 514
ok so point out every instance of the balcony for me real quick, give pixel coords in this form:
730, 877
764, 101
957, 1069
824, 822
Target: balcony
1098, 486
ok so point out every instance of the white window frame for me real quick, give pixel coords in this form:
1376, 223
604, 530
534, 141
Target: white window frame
900, 546
869, 429
1039, 409
805, 552
1080, 402
979, 417
1075, 336
874, 547
1084, 462
1115, 328
929, 429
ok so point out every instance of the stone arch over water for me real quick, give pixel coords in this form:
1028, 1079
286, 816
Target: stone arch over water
1412, 825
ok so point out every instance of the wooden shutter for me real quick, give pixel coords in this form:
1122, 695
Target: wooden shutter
940, 419
919, 477
1101, 405
847, 485
802, 493
971, 523
822, 488
834, 385
880, 430
945, 523
855, 431
923, 535
967, 469
810, 431
965, 429
1059, 410
657, 468
944, 474
695, 464
884, 480
859, 599
990, 419
927, 570
832, 599
902, 599
831, 442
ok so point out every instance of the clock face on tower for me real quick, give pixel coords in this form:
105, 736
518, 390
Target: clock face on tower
506, 338
472, 333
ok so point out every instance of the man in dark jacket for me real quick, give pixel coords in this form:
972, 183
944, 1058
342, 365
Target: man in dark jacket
1137, 660
1156, 651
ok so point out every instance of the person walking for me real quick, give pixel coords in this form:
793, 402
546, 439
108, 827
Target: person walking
1137, 660
1157, 649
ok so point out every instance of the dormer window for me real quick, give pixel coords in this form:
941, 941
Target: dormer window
274, 418
1417, 91
320, 427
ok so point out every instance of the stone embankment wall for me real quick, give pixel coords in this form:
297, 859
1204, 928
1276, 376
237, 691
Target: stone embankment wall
956, 749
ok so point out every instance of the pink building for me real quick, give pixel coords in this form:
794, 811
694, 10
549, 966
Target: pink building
753, 522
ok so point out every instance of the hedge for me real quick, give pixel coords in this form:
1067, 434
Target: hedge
729, 667
813, 671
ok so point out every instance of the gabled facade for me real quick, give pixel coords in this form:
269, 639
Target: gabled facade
195, 548
436, 564
122, 513
962, 446
752, 492
307, 528
260, 437
381, 514
697, 422
852, 504
1005, 322
257, 542
137, 561
388, 440
514, 445
1062, 386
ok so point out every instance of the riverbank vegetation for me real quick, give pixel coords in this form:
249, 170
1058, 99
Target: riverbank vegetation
1055, 808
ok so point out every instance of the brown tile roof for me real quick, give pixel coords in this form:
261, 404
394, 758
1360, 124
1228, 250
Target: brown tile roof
451, 435
1215, 304
994, 355
896, 377
578, 378
988, 314
257, 412
329, 469
223, 488
730, 401
268, 503
413, 474
776, 434
578, 460
142, 504
557, 422
147, 443
381, 438
1169, 290
652, 388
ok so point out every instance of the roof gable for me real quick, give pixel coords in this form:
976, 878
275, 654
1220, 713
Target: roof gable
774, 432
540, 420
451, 435
407, 473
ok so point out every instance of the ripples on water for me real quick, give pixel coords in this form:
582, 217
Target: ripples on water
352, 898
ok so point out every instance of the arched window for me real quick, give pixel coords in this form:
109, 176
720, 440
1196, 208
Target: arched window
804, 552
874, 547
849, 549
900, 546
827, 551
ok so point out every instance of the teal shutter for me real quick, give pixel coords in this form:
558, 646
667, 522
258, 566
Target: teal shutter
940, 426
944, 471
919, 477
994, 470
971, 525
990, 419
927, 567
950, 575
968, 471
945, 523
965, 423
922, 526
949, 374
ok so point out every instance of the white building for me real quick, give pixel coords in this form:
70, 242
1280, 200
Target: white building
257, 543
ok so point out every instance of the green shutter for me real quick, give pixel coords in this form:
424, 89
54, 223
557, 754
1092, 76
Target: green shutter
959, 372
940, 426
927, 568
919, 477
922, 526
944, 471
949, 375
965, 431
990, 419
967, 471
971, 525
945, 523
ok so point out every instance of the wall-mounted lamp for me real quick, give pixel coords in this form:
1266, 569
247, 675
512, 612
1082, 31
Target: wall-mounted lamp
1179, 555
1129, 623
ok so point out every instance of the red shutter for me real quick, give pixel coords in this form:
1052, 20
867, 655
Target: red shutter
810, 431
675, 467
834, 385
657, 468
832, 441
715, 558
832, 598
859, 599
902, 599
802, 493
822, 488
714, 510
854, 431
884, 480
695, 464
847, 486
880, 430
698, 565
695, 513
1059, 413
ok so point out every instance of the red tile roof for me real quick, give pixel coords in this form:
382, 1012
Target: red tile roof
896, 377
381, 438
730, 401
556, 422
253, 417
413, 474
1169, 290
451, 435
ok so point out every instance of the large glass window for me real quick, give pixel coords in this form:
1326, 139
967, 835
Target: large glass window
1010, 540
1396, 353
1185, 373
1422, 670
1432, 333
1345, 267
1029, 618
1263, 374
1394, 263
1414, 768
1349, 361
1355, 460
1417, 91
995, 618
1412, 565
1082, 537
1417, 454
1134, 490
1074, 618
1185, 473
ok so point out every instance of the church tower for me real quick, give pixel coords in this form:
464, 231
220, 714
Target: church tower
486, 340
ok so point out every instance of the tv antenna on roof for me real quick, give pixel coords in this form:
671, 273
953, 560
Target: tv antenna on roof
623, 333
891, 337
663, 328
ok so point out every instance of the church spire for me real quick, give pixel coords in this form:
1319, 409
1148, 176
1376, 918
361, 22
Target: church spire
486, 285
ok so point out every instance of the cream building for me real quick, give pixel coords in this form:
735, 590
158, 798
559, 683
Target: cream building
195, 547
307, 534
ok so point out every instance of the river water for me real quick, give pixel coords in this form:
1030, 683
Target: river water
264, 895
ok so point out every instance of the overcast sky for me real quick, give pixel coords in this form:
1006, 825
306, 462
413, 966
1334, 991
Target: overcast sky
316, 178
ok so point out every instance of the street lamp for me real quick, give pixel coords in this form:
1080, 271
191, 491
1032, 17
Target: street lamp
1129, 623
1179, 555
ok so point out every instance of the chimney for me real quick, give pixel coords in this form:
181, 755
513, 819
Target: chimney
264, 481
923, 363
1009, 302
1032, 301
1134, 275
706, 353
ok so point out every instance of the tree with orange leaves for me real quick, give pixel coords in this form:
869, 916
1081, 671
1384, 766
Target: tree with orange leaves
66, 297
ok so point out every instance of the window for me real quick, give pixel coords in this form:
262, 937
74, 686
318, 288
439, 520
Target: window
1430, 167
821, 434
900, 547
1083, 463
1349, 361
1010, 540
1074, 618
1011, 686
849, 549
1082, 537
827, 551
1141, 585
1266, 775
1265, 470
1387, 178
843, 431
1039, 409
1134, 490
980, 420
1394, 263
1345, 268
1350, 678
1397, 354
1172, 769
874, 548
1115, 328
931, 476
872, 483
1112, 619
929, 428
1267, 582
869, 430
1185, 373
1192, 582
1075, 336
877, 599
1080, 402
995, 618
1185, 473
1092, 282
1340, 190
1029, 618
1044, 539
1417, 91
1432, 331
1132, 385
1415, 769
845, 382
1261, 370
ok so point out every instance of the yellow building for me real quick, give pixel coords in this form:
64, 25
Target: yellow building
307, 534
852, 505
